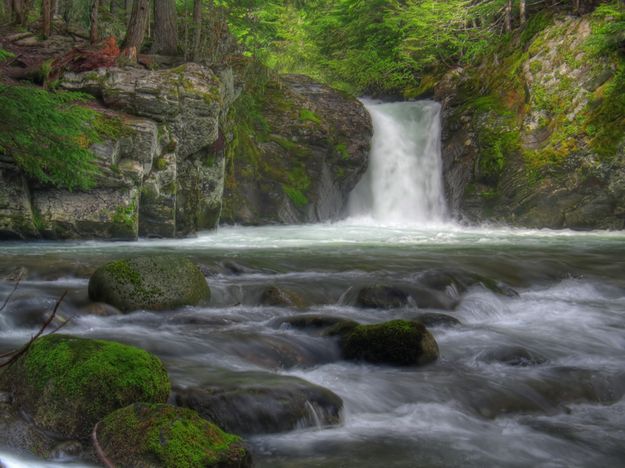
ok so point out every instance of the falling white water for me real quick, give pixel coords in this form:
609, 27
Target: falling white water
404, 183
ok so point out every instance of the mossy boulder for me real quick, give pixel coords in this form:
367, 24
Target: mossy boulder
66, 384
153, 435
398, 342
153, 283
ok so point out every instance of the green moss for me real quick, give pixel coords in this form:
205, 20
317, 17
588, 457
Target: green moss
69, 383
169, 437
161, 164
295, 195
126, 216
399, 342
306, 115
341, 149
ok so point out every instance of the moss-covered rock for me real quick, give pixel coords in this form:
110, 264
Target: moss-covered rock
154, 283
153, 435
398, 342
66, 384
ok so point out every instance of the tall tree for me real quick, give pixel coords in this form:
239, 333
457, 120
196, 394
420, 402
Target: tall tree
197, 29
136, 28
523, 11
46, 17
19, 11
165, 27
93, 29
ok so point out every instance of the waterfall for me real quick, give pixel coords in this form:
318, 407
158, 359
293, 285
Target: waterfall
404, 183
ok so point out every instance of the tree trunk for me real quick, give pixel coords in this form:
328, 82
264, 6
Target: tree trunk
19, 11
165, 28
523, 11
508, 17
197, 29
576, 6
46, 18
93, 29
136, 29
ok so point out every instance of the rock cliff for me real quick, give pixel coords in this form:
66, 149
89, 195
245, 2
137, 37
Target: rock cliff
165, 175
534, 136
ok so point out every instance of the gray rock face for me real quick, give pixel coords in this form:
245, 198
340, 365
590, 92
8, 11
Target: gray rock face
259, 403
17, 219
302, 160
161, 178
520, 151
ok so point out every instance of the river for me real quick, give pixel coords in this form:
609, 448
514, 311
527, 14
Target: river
530, 379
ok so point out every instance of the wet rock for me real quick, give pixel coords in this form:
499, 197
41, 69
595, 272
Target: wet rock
513, 356
549, 392
321, 324
280, 297
154, 283
381, 297
398, 342
392, 297
151, 435
437, 320
100, 309
66, 384
262, 403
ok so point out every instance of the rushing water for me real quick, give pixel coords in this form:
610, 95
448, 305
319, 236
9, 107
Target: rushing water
529, 379
468, 408
404, 182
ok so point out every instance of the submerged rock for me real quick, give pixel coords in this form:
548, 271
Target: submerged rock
66, 384
261, 403
154, 283
153, 435
513, 356
399, 342
279, 297
322, 324
437, 320
394, 297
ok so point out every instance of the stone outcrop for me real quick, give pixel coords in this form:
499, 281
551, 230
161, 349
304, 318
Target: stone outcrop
162, 177
297, 155
531, 136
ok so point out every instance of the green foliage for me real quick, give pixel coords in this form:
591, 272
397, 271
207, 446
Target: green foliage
608, 33
5, 55
49, 134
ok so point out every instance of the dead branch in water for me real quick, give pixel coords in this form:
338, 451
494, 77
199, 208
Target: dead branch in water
15, 355
17, 283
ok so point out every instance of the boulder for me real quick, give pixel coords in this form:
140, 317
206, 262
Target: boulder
153, 283
398, 342
512, 356
66, 384
296, 158
261, 403
156, 435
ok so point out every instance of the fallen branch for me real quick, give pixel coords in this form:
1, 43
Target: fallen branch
15, 355
17, 283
